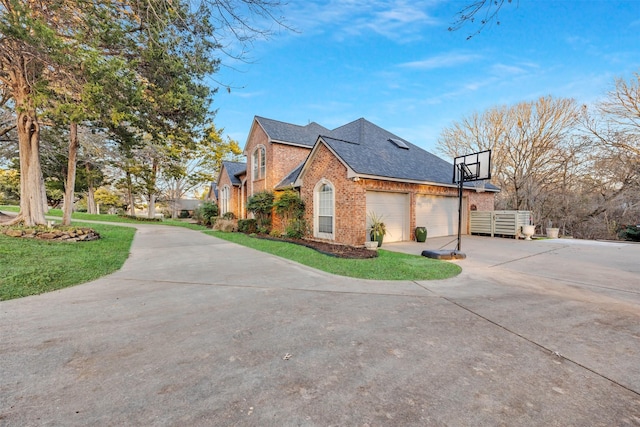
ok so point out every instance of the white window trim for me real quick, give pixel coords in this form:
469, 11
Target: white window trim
259, 163
224, 206
316, 210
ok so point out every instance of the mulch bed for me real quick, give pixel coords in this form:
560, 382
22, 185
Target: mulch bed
331, 249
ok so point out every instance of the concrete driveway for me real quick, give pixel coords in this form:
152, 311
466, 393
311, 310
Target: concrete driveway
198, 331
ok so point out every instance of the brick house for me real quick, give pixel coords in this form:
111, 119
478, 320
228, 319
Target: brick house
344, 174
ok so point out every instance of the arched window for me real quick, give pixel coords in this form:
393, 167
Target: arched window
259, 163
224, 200
324, 210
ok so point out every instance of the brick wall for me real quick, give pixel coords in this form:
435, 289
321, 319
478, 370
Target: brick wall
350, 201
281, 160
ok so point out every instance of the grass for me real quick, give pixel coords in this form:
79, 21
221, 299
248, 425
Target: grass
31, 267
387, 266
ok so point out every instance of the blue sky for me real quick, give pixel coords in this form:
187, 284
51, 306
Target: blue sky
395, 64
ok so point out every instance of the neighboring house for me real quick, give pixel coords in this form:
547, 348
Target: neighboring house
344, 174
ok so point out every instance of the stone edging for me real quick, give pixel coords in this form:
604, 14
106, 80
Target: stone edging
76, 234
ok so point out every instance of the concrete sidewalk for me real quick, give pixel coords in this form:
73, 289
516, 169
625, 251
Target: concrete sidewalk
198, 331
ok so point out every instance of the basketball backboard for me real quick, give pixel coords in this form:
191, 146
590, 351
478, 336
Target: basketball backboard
474, 167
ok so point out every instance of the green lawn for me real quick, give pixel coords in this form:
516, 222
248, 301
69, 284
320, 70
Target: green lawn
31, 267
387, 266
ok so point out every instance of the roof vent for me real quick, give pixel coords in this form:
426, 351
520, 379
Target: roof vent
399, 144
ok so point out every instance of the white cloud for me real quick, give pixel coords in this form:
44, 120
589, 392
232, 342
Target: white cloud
399, 20
442, 61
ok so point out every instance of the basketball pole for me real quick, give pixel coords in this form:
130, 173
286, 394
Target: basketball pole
460, 184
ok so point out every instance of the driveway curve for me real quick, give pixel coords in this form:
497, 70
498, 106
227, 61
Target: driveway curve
194, 330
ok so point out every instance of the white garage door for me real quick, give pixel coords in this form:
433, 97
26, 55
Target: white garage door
439, 214
394, 208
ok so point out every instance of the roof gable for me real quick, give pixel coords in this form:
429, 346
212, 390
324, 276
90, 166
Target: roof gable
291, 134
233, 169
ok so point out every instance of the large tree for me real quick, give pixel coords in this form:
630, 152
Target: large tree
42, 42
531, 145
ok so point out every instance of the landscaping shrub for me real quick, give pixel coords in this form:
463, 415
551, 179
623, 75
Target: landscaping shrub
249, 226
206, 214
261, 204
630, 232
290, 208
229, 215
297, 229
226, 225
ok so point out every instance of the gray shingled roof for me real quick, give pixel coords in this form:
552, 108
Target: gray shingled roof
368, 150
233, 169
290, 179
292, 134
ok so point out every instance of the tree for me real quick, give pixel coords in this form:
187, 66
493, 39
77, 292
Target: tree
195, 164
41, 44
530, 145
614, 127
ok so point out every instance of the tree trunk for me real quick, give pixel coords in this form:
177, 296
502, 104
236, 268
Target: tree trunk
151, 211
132, 205
91, 201
71, 174
33, 197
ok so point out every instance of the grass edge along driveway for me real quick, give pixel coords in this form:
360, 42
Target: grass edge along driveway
32, 267
387, 266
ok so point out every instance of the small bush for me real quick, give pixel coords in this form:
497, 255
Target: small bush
183, 214
296, 229
249, 226
630, 233
225, 225
206, 214
229, 215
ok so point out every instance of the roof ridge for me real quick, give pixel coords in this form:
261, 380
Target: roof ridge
290, 124
339, 140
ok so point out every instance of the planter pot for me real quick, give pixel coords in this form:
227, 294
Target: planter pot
375, 237
528, 231
372, 246
552, 233
421, 234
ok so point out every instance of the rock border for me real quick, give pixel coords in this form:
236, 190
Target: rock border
71, 234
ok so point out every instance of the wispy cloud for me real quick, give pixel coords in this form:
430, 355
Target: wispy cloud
399, 20
442, 61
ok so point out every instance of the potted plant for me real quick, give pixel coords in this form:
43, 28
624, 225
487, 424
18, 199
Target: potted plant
377, 229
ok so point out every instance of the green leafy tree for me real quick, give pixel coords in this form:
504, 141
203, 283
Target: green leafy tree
190, 166
161, 48
9, 185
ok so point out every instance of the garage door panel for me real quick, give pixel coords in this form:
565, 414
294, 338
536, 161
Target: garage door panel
439, 214
394, 208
